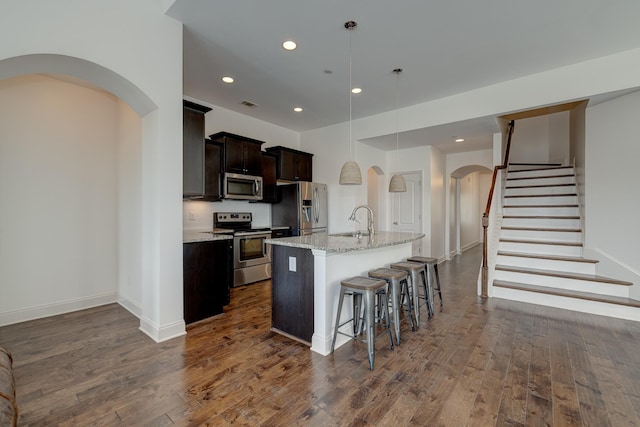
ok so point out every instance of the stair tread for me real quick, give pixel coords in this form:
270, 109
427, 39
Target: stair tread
564, 274
509, 187
542, 242
548, 257
565, 230
540, 169
540, 206
540, 217
541, 195
539, 177
567, 293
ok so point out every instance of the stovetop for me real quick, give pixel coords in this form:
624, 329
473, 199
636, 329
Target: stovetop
235, 222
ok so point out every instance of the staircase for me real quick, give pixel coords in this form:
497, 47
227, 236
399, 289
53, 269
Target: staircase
539, 256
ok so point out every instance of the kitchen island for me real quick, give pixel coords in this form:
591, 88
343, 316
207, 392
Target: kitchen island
306, 275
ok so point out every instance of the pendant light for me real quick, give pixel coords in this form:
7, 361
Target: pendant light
350, 172
397, 183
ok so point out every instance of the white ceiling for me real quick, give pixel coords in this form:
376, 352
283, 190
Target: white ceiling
444, 46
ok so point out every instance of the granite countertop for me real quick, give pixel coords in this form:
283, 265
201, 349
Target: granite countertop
192, 236
346, 242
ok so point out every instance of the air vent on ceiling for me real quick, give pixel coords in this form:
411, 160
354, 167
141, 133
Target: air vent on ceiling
249, 104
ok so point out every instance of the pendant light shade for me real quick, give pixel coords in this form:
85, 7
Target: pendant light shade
350, 172
397, 183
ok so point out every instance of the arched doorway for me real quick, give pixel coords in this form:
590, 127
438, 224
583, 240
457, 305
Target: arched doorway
71, 206
468, 192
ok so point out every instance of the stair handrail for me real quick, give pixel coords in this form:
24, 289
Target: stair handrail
485, 216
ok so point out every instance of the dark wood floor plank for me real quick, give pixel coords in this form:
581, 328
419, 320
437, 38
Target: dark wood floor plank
475, 363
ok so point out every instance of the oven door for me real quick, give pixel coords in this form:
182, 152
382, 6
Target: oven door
249, 249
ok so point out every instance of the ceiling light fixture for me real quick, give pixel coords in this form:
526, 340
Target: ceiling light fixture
459, 140
350, 172
397, 183
289, 45
297, 109
356, 90
227, 79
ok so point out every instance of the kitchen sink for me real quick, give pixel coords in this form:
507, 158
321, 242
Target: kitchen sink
349, 234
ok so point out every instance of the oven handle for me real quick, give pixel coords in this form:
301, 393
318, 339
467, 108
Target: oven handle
252, 233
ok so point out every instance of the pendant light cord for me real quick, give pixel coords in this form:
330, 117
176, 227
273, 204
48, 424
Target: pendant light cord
350, 98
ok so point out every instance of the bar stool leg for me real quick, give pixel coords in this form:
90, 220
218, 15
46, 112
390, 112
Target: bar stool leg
370, 324
395, 300
435, 269
335, 330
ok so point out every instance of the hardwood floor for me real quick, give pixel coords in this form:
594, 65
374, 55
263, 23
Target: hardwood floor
476, 363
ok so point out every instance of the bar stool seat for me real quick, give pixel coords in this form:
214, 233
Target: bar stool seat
431, 265
363, 287
418, 276
398, 283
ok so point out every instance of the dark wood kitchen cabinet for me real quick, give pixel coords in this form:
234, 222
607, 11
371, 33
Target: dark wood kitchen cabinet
292, 292
207, 272
213, 171
293, 165
193, 150
269, 180
241, 154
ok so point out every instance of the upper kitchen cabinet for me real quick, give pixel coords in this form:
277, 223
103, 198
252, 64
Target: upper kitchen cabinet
193, 150
241, 154
269, 180
292, 165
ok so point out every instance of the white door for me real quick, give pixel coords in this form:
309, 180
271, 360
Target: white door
407, 209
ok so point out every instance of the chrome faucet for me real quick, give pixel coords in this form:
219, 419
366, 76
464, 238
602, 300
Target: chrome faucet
369, 217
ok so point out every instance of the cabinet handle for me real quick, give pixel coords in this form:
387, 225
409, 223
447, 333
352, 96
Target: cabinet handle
395, 223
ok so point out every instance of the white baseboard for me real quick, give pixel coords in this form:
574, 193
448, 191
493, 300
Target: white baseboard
53, 309
131, 306
162, 333
469, 246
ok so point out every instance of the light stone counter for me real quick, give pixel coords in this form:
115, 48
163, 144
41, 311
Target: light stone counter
192, 236
346, 242
336, 258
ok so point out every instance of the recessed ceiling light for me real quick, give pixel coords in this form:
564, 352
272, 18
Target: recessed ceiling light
297, 109
459, 140
227, 79
356, 90
289, 45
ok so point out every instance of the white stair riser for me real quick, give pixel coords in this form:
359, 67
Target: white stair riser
547, 264
527, 191
562, 283
534, 248
541, 222
539, 172
556, 236
541, 211
540, 181
541, 200
574, 304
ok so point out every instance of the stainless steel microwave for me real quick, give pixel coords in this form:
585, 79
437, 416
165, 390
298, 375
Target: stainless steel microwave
242, 187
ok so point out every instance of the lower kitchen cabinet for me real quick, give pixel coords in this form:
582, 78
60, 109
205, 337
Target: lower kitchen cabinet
292, 291
207, 277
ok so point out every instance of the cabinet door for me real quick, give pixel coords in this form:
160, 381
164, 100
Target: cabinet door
268, 172
234, 153
192, 153
213, 163
304, 167
252, 158
207, 275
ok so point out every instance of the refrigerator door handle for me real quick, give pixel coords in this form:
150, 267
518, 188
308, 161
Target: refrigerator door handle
316, 201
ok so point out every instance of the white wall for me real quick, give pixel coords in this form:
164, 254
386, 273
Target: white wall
559, 137
103, 42
437, 200
129, 178
530, 142
612, 175
58, 193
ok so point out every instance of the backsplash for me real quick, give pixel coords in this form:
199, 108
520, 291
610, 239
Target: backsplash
198, 215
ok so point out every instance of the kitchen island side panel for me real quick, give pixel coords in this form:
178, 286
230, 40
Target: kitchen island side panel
292, 291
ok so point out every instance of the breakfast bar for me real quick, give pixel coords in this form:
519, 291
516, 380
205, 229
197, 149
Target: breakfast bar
306, 275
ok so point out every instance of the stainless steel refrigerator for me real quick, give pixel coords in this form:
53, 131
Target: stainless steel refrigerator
302, 206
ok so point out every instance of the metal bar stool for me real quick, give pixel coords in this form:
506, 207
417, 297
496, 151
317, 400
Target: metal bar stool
398, 284
418, 276
368, 288
433, 263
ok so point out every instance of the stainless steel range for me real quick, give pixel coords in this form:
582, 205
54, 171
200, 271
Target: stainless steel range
251, 255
